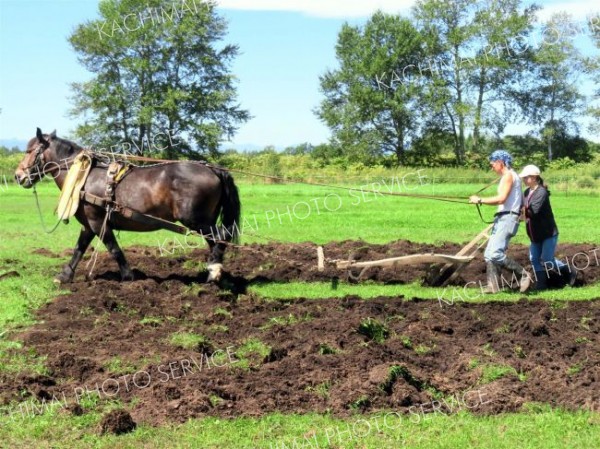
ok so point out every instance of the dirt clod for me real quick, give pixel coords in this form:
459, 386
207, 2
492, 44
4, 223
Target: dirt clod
117, 422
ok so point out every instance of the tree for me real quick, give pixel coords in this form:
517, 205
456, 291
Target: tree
161, 81
574, 147
593, 68
303, 148
550, 99
474, 51
5, 151
525, 147
326, 152
447, 30
427, 148
369, 106
502, 33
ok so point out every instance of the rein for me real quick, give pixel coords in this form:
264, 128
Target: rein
445, 198
39, 209
479, 205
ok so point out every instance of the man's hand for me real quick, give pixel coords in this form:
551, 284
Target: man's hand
474, 199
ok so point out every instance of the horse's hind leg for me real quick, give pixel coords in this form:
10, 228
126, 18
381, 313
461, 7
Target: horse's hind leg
217, 248
68, 272
215, 260
112, 246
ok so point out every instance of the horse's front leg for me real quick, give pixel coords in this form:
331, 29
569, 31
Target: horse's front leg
68, 272
113, 248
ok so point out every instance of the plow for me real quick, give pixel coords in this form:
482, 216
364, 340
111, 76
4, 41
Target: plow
443, 268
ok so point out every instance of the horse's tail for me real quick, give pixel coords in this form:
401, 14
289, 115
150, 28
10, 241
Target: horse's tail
231, 207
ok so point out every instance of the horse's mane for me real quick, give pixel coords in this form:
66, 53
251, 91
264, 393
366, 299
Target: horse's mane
66, 148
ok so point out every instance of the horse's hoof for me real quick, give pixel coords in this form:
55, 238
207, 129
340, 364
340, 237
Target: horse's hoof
215, 272
60, 279
127, 277
65, 276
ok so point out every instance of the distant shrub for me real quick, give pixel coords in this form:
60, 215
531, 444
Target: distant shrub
587, 182
560, 164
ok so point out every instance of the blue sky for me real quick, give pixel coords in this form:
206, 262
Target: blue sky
285, 46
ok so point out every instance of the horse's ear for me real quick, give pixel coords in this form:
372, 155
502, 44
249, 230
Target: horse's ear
53, 135
40, 137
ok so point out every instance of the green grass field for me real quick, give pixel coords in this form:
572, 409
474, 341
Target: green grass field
290, 213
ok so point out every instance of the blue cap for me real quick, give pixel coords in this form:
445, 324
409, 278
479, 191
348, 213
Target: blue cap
501, 155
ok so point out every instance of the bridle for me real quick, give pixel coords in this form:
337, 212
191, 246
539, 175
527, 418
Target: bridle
40, 163
39, 160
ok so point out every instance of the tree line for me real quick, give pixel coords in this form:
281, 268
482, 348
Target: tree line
454, 74
438, 86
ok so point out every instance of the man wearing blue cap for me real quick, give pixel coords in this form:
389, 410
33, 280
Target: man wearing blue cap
506, 222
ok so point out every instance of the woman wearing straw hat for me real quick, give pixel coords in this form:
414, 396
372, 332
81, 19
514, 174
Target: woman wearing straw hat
542, 230
506, 222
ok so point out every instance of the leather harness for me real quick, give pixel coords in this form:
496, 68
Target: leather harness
114, 174
117, 170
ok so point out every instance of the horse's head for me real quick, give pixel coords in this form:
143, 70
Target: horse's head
45, 154
31, 168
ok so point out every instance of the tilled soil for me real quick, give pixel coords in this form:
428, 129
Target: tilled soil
298, 262
113, 341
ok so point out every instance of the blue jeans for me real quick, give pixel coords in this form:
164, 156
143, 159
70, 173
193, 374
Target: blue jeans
505, 228
541, 255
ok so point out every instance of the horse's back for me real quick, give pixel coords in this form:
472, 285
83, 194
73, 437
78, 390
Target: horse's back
188, 192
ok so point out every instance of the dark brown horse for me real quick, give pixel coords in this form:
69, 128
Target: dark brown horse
192, 193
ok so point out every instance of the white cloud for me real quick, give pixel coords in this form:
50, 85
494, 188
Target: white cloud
322, 8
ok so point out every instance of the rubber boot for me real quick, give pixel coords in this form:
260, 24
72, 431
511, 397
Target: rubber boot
513, 265
541, 282
492, 272
569, 275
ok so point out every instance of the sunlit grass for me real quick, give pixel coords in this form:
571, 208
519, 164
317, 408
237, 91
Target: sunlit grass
443, 296
544, 428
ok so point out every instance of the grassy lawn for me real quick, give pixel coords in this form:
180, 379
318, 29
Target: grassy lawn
305, 213
444, 296
290, 213
544, 428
